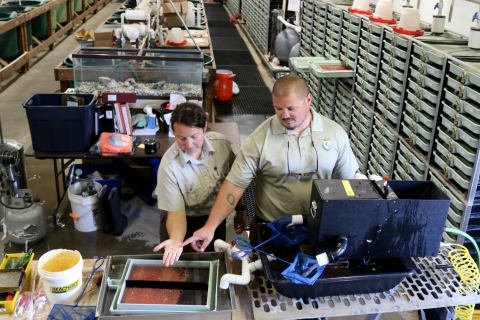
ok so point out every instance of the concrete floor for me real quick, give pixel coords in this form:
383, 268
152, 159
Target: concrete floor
142, 233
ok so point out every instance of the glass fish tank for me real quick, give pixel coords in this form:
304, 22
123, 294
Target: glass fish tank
151, 74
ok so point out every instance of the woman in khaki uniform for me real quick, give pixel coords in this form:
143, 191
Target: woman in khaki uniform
189, 177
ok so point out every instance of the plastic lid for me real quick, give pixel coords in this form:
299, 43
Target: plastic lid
408, 32
380, 20
353, 10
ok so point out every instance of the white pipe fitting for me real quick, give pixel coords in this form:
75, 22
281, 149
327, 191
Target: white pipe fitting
289, 25
244, 279
247, 267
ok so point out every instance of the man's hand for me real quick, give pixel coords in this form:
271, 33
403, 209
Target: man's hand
239, 221
173, 250
200, 239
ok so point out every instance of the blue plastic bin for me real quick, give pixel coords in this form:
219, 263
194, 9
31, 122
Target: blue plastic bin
103, 168
60, 128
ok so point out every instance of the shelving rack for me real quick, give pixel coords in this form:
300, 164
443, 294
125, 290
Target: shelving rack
412, 108
257, 14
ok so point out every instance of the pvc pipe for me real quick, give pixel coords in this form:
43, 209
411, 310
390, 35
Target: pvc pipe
256, 265
244, 279
135, 15
144, 4
289, 25
199, 15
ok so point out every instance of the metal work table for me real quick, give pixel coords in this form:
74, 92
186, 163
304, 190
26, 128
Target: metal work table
428, 288
139, 184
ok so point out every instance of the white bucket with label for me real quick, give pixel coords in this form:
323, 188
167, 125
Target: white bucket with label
84, 209
62, 286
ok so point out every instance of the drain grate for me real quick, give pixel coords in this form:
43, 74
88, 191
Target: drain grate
250, 100
237, 58
225, 43
428, 288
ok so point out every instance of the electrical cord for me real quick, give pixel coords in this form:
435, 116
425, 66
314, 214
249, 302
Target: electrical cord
468, 271
466, 268
467, 236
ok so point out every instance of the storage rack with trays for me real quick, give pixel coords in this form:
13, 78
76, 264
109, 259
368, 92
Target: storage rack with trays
422, 96
368, 61
319, 26
314, 88
306, 22
360, 131
257, 13
410, 160
234, 6
395, 50
332, 32
326, 97
343, 110
455, 150
382, 146
350, 38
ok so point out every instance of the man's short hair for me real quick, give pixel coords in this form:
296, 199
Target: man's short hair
289, 84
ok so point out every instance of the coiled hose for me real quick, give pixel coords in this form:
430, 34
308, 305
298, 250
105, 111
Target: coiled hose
466, 268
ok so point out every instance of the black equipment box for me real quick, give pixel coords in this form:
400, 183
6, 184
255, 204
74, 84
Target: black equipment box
376, 275
408, 225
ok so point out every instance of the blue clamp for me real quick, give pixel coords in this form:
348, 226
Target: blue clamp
475, 16
242, 243
436, 6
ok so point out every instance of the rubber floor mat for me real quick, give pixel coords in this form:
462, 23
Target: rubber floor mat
221, 24
217, 16
250, 100
214, 7
235, 58
248, 76
225, 43
224, 32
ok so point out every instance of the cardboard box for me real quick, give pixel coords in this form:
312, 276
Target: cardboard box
172, 19
103, 38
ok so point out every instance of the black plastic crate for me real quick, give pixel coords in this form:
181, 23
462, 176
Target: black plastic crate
378, 275
60, 128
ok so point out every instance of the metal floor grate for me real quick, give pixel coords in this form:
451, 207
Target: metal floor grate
221, 24
217, 16
226, 43
224, 32
250, 100
236, 58
245, 76
214, 7
249, 202
428, 288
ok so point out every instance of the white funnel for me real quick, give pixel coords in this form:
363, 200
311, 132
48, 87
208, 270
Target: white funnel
409, 22
383, 12
360, 7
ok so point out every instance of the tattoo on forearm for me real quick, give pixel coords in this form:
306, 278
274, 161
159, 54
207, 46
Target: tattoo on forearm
231, 199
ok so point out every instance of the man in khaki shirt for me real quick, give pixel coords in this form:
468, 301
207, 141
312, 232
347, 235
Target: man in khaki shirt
284, 154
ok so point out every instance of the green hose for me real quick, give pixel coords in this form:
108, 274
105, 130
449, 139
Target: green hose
456, 231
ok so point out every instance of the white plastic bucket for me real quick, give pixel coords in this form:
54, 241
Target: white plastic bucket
85, 208
63, 286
